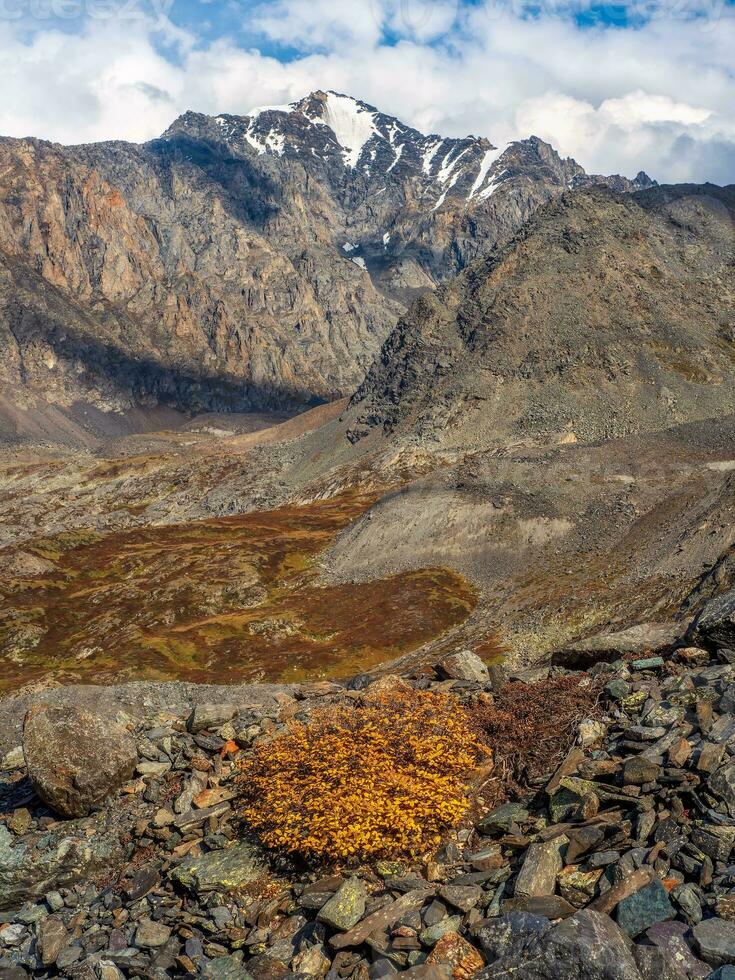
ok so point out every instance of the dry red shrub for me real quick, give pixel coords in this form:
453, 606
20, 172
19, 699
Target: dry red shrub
531, 727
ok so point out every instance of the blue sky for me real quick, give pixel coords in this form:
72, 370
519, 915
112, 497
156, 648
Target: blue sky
648, 84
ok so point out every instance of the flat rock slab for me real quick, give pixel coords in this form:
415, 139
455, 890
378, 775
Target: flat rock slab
28, 872
606, 647
221, 871
715, 940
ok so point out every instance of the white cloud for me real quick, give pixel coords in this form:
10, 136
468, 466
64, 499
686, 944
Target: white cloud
658, 97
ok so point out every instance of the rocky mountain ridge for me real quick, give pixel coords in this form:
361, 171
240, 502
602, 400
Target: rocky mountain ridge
606, 314
241, 263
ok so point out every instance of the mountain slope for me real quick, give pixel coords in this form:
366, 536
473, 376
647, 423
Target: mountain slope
607, 314
242, 263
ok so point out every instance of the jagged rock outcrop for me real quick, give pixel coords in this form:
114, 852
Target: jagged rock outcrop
242, 262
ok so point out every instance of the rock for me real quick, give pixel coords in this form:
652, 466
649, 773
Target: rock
647, 663
313, 962
672, 938
655, 964
548, 906
504, 817
463, 897
715, 841
75, 759
715, 940
226, 968
617, 689
151, 935
607, 647
710, 756
688, 901
586, 946
19, 821
578, 886
28, 872
382, 919
69, 955
510, 935
347, 906
14, 759
210, 716
53, 936
643, 908
465, 666
432, 934
454, 951
541, 865
639, 770
590, 732
715, 625
722, 784
221, 871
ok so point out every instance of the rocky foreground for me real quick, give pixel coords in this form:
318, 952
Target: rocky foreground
122, 855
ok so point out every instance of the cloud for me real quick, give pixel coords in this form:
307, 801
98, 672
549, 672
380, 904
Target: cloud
657, 95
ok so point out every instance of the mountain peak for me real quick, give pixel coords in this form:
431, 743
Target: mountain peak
329, 133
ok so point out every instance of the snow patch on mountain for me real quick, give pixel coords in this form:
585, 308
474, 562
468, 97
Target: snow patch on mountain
486, 165
352, 124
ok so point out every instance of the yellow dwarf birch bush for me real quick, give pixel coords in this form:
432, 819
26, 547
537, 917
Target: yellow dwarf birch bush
377, 780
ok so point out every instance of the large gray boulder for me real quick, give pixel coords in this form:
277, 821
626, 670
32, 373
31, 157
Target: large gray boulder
586, 946
75, 759
715, 625
607, 647
34, 865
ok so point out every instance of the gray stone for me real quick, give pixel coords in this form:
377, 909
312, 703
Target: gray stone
465, 666
75, 759
715, 940
462, 897
221, 871
643, 908
586, 946
28, 872
503, 817
53, 936
346, 907
722, 784
510, 935
689, 902
541, 865
432, 934
210, 716
151, 935
608, 647
617, 689
715, 625
224, 968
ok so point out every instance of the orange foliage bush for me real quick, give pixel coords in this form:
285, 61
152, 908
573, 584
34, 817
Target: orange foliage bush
378, 780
